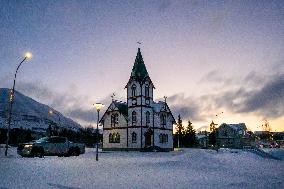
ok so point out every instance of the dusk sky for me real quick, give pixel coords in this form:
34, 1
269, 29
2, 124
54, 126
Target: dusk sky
207, 57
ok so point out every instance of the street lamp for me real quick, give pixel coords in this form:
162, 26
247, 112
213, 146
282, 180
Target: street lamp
51, 112
98, 106
27, 56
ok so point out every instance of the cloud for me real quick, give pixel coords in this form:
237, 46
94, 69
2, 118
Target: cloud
185, 106
82, 114
267, 100
36, 90
263, 95
67, 103
212, 76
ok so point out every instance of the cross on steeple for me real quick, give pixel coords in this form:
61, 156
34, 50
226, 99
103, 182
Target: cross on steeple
165, 97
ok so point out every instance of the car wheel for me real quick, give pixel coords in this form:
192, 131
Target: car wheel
37, 152
74, 152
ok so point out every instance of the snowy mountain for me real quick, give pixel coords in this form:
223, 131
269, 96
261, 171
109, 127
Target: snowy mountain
30, 114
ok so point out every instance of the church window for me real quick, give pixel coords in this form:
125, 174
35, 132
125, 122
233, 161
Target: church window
147, 118
115, 119
117, 138
133, 90
163, 138
147, 93
114, 138
134, 118
110, 138
134, 137
112, 120
163, 120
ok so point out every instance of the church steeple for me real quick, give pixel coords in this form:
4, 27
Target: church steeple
139, 70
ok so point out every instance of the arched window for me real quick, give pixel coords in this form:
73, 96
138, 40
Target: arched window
115, 119
114, 138
134, 137
134, 119
163, 120
147, 118
117, 138
133, 90
112, 120
147, 91
161, 138
110, 138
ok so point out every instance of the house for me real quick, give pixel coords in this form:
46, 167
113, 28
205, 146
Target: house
231, 135
202, 139
140, 122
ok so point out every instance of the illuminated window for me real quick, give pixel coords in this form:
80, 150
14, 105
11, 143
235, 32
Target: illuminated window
114, 138
117, 138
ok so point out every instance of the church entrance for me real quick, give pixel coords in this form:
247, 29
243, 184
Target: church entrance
148, 138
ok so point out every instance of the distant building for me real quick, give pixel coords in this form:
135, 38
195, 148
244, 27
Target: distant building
203, 139
232, 135
139, 122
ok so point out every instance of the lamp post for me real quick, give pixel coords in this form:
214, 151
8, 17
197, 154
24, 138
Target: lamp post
28, 55
51, 112
98, 106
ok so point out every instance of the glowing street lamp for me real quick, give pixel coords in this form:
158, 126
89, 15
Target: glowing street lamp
27, 56
98, 106
51, 112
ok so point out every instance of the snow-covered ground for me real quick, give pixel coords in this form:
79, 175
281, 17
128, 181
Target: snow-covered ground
189, 168
276, 152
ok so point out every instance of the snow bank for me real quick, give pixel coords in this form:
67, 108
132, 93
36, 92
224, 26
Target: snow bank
189, 168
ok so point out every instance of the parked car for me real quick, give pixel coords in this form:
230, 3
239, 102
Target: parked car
274, 145
54, 146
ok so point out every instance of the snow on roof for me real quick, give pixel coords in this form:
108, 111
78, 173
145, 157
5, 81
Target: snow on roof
200, 136
158, 106
237, 127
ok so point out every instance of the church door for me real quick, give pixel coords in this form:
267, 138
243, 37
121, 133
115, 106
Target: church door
148, 135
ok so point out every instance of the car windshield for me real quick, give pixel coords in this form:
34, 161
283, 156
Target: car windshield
44, 139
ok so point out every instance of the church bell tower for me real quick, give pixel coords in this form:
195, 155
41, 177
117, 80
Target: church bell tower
140, 103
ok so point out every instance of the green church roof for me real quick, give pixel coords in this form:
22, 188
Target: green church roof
139, 70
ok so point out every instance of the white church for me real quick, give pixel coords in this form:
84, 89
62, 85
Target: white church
140, 123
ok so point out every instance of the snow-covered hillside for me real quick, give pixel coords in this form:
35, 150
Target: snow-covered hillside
28, 113
189, 168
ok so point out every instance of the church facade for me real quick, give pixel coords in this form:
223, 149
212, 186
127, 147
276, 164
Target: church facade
139, 122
